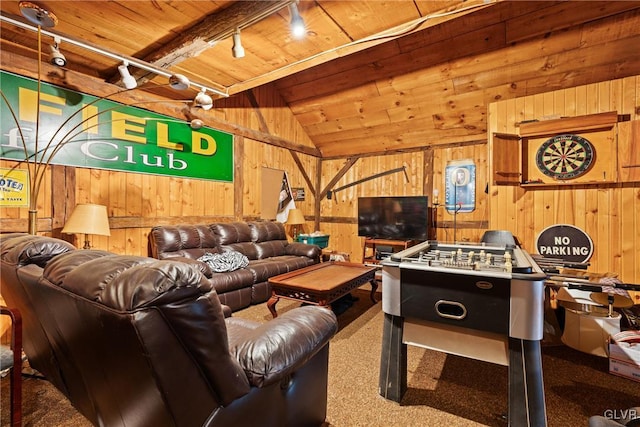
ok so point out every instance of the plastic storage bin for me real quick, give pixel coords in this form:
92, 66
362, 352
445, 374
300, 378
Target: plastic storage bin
322, 241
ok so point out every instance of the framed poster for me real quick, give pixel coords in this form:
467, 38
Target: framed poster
460, 186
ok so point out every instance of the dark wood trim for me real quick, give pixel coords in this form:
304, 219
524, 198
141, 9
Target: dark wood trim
296, 159
339, 219
21, 225
238, 176
63, 200
427, 164
256, 109
480, 224
124, 222
412, 150
318, 199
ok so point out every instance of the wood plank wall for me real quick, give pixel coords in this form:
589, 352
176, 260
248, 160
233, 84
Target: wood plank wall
425, 170
137, 202
609, 214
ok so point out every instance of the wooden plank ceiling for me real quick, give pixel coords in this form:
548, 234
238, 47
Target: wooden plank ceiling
370, 77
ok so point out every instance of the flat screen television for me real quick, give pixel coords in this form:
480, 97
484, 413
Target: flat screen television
394, 218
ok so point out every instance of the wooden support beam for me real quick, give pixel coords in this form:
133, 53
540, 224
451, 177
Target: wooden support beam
256, 109
463, 8
63, 200
296, 159
318, 199
238, 177
350, 162
217, 26
96, 87
427, 162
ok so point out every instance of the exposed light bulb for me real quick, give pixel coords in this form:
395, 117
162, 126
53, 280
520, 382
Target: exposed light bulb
298, 29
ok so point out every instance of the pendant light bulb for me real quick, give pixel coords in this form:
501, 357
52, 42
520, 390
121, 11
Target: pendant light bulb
237, 49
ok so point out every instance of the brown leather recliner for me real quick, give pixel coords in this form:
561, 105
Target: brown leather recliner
142, 342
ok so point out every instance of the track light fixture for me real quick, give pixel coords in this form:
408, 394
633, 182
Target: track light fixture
42, 18
57, 58
298, 29
128, 80
203, 100
179, 82
237, 49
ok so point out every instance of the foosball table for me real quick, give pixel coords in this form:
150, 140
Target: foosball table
482, 301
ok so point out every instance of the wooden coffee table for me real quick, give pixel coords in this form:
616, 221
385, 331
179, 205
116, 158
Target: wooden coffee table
321, 284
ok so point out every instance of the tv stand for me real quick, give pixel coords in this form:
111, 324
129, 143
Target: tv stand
371, 244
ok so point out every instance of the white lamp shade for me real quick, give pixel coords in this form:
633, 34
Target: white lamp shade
88, 219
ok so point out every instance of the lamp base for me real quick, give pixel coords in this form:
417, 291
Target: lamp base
86, 242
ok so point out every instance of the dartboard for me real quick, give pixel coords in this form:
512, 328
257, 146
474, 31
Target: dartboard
564, 156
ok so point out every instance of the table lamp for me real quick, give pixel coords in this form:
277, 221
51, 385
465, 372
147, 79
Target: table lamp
88, 219
295, 219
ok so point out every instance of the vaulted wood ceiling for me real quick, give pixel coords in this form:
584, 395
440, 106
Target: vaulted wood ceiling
370, 77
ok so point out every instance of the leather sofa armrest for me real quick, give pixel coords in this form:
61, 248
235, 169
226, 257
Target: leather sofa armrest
303, 249
201, 266
226, 310
279, 347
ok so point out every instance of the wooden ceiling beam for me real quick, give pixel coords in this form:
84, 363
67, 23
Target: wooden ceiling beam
449, 13
96, 87
217, 26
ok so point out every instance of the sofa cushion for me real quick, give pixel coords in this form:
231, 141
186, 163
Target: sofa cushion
232, 280
267, 230
263, 269
271, 248
190, 241
231, 232
247, 248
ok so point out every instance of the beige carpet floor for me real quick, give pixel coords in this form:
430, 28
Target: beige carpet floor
444, 390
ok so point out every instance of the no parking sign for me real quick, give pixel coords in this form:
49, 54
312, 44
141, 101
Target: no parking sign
566, 242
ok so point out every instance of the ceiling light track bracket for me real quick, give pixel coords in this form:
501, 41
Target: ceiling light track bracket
221, 90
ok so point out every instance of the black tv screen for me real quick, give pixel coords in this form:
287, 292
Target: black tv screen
396, 218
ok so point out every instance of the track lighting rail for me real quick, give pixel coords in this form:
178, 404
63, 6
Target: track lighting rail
223, 91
